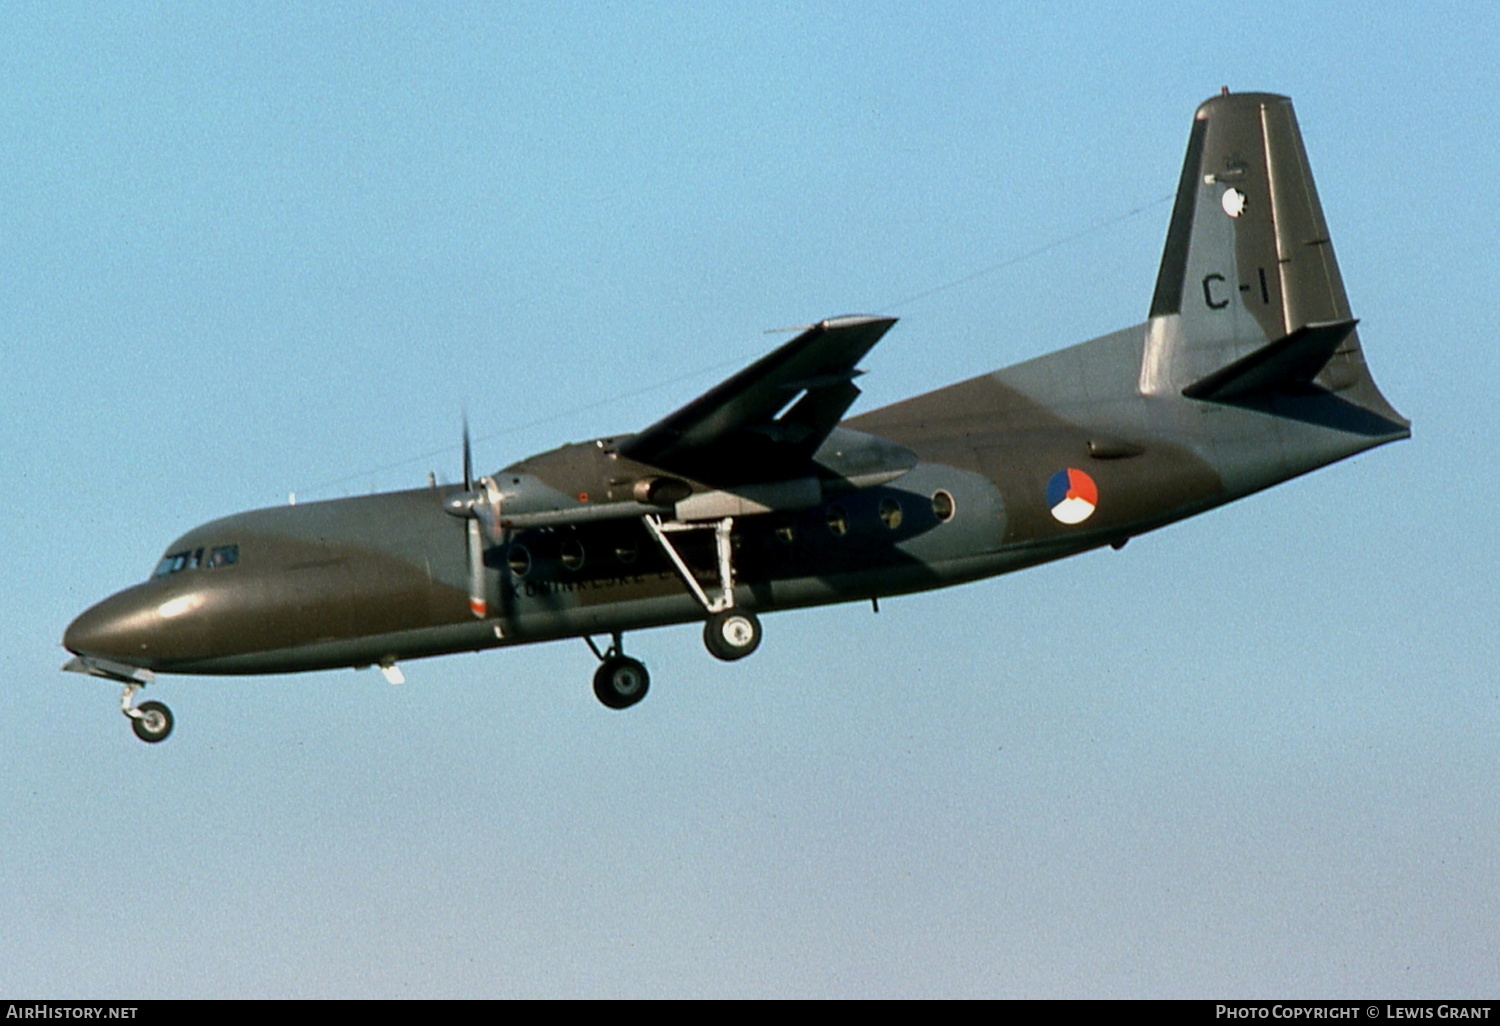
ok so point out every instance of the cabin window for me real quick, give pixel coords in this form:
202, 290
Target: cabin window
890, 513
838, 520
942, 505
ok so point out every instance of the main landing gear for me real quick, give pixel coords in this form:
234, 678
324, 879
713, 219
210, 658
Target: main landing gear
729, 633
620, 681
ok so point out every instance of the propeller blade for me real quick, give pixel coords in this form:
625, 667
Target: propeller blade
478, 604
468, 458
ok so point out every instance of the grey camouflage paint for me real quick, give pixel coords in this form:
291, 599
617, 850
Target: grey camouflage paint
378, 579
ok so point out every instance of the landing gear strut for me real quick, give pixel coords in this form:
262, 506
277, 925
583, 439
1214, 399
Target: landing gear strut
620, 681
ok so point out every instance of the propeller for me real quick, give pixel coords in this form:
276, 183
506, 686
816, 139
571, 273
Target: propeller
474, 505
478, 605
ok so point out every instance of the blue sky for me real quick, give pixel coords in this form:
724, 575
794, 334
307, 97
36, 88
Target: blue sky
258, 249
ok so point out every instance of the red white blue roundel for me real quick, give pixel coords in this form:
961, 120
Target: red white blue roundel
1072, 495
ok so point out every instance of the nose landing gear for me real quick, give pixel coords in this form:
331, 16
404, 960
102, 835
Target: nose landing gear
151, 721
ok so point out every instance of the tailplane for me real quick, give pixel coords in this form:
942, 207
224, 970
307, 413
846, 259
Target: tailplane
1249, 302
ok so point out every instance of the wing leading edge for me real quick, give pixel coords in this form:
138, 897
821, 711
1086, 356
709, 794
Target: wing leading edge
765, 423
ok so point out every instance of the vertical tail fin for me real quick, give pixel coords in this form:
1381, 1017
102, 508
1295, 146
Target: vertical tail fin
1249, 298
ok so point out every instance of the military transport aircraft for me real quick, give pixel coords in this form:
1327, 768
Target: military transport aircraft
757, 497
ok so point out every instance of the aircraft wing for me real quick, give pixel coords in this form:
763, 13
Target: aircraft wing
765, 423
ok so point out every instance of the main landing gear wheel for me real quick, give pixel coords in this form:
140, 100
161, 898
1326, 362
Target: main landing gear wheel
731, 634
152, 722
621, 681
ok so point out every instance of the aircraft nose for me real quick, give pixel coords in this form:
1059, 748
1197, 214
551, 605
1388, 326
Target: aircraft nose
120, 627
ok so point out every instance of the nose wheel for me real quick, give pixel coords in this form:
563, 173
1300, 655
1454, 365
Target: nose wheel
151, 721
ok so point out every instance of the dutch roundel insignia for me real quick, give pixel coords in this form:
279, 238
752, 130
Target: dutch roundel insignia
1072, 495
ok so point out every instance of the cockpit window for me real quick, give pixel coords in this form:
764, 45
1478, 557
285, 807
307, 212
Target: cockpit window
171, 564
191, 559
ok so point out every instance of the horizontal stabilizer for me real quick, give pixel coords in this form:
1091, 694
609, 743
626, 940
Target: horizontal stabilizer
1290, 362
